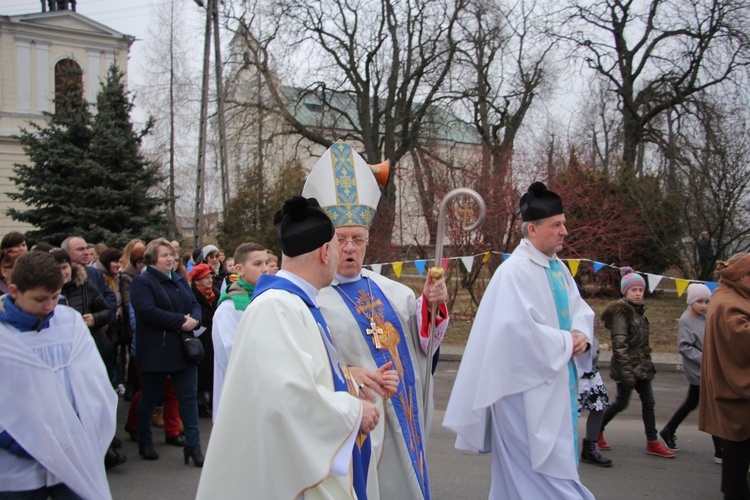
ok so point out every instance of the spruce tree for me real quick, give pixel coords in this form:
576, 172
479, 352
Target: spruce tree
120, 204
86, 176
51, 184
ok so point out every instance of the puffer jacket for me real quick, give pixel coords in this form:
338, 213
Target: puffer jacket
83, 296
631, 352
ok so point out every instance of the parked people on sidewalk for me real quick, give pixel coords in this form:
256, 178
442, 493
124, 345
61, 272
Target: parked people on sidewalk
291, 424
725, 377
631, 366
690, 334
250, 264
58, 407
165, 307
515, 393
360, 302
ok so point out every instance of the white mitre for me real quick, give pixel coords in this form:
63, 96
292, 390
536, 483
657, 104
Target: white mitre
345, 186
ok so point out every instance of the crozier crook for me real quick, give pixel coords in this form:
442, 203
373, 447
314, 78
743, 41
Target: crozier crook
437, 270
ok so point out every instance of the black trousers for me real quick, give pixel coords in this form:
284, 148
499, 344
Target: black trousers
734, 470
690, 404
646, 393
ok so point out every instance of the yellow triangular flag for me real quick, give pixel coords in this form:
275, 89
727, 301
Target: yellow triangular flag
486, 257
573, 265
397, 266
681, 286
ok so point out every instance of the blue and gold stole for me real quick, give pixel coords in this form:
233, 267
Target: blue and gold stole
559, 289
382, 330
342, 381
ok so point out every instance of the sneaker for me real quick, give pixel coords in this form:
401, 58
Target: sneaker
601, 443
719, 457
657, 449
669, 438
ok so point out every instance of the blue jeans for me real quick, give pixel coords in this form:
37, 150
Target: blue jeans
646, 393
185, 387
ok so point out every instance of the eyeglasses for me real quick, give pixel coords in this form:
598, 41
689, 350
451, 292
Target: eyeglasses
357, 242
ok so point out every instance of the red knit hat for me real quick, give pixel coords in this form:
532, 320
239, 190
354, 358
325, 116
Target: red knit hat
199, 271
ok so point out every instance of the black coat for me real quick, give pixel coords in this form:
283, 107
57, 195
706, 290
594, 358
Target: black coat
83, 296
160, 304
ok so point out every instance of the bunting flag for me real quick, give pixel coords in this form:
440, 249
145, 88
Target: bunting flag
573, 265
681, 285
653, 281
397, 266
420, 264
468, 262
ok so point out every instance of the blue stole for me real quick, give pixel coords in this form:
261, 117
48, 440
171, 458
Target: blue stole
341, 379
559, 290
377, 309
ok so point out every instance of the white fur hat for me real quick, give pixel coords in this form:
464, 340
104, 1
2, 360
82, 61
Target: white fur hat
697, 291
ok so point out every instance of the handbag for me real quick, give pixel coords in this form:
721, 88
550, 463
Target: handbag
192, 347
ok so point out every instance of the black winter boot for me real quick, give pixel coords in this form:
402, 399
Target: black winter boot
590, 455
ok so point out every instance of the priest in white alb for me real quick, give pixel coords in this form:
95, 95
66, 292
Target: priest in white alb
290, 423
378, 323
515, 392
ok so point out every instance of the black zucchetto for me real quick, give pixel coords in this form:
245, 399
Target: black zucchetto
539, 203
302, 226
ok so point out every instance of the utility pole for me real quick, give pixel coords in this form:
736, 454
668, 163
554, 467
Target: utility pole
223, 163
201, 167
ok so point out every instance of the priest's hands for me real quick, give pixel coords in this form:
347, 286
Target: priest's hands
435, 291
383, 381
370, 417
580, 343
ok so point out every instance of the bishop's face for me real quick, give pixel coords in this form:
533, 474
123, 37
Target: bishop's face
352, 246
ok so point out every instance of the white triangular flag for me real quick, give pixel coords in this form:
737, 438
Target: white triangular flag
376, 268
468, 262
653, 281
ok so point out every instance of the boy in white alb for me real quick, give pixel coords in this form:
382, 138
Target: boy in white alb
250, 262
58, 406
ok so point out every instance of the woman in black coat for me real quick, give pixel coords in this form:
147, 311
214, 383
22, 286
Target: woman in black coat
207, 295
164, 307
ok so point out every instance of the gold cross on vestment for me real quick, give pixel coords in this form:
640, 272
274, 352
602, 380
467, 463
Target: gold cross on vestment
376, 332
465, 212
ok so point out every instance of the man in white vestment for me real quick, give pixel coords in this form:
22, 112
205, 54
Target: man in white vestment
290, 423
378, 323
515, 391
58, 405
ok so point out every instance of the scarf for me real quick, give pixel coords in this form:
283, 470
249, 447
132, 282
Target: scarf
208, 293
11, 314
240, 293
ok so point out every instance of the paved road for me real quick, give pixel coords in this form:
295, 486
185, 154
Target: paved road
457, 475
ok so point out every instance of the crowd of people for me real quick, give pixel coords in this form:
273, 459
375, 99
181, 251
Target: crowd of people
315, 372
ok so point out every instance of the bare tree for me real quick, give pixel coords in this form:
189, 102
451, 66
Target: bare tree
713, 145
658, 53
367, 72
170, 96
501, 66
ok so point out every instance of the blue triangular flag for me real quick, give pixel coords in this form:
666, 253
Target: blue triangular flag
598, 266
506, 256
711, 285
420, 266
